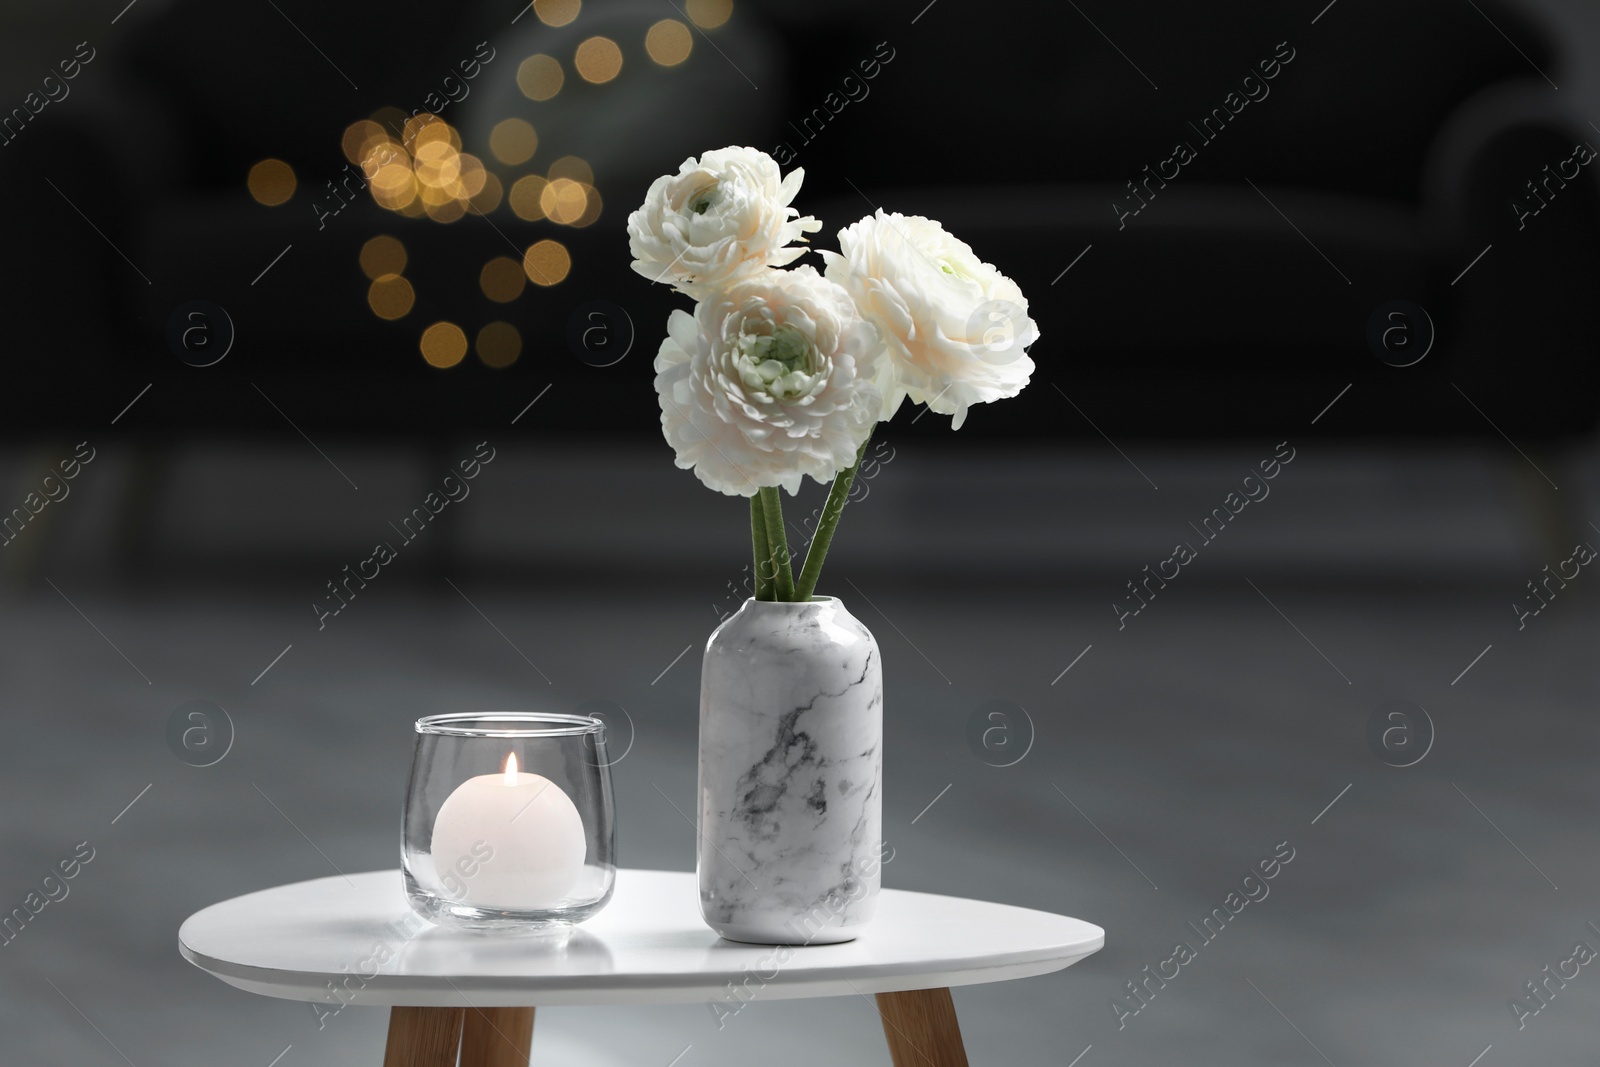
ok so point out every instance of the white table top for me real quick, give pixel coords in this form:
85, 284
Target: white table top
648, 946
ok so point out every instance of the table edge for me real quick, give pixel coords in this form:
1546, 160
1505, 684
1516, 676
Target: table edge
595, 990
646, 988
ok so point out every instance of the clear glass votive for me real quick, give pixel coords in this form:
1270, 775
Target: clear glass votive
509, 820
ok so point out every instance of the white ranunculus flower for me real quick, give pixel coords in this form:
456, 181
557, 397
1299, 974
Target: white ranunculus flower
769, 380
722, 217
956, 328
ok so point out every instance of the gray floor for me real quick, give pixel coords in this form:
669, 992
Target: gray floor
1222, 721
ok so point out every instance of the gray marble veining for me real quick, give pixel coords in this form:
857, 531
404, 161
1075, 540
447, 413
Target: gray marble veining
791, 771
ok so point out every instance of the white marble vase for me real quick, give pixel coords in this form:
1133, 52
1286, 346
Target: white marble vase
791, 774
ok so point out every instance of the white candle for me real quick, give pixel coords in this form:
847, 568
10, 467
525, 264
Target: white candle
509, 841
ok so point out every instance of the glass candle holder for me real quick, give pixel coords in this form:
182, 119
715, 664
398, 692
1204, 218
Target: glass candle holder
508, 820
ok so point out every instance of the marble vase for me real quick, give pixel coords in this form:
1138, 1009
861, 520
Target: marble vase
791, 773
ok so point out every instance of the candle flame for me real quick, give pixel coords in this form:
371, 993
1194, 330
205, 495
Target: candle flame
511, 768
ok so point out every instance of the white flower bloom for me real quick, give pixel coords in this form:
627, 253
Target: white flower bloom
722, 217
956, 328
769, 380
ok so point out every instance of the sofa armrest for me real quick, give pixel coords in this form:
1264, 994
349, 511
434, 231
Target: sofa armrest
1489, 150
1511, 201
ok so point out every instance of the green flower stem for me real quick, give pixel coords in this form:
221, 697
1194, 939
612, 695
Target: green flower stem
838, 497
778, 545
763, 554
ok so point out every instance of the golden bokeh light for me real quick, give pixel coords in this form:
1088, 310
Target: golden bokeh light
540, 77
437, 164
393, 184
591, 207
437, 132
424, 128
489, 198
413, 126
359, 138
598, 60
390, 297
433, 194
546, 262
271, 182
573, 168
443, 344
564, 201
708, 14
513, 141
420, 171
499, 344
449, 211
382, 255
669, 42
472, 178
557, 12
502, 279
379, 153
527, 195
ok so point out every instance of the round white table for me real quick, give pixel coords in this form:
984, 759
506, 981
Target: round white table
343, 941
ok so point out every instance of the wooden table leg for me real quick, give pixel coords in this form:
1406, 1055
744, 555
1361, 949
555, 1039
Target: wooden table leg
497, 1037
922, 1029
423, 1037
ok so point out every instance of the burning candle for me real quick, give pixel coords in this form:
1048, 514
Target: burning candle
511, 841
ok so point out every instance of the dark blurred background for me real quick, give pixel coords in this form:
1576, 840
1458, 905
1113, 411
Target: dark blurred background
1379, 158
271, 269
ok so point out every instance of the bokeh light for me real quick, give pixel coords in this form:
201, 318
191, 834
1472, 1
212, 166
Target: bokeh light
598, 60
546, 262
499, 344
473, 177
489, 197
390, 297
557, 12
382, 255
360, 138
708, 14
424, 128
443, 344
591, 207
379, 152
438, 165
502, 279
513, 141
669, 42
540, 77
433, 193
394, 186
564, 201
574, 168
271, 182
432, 177
449, 211
527, 196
